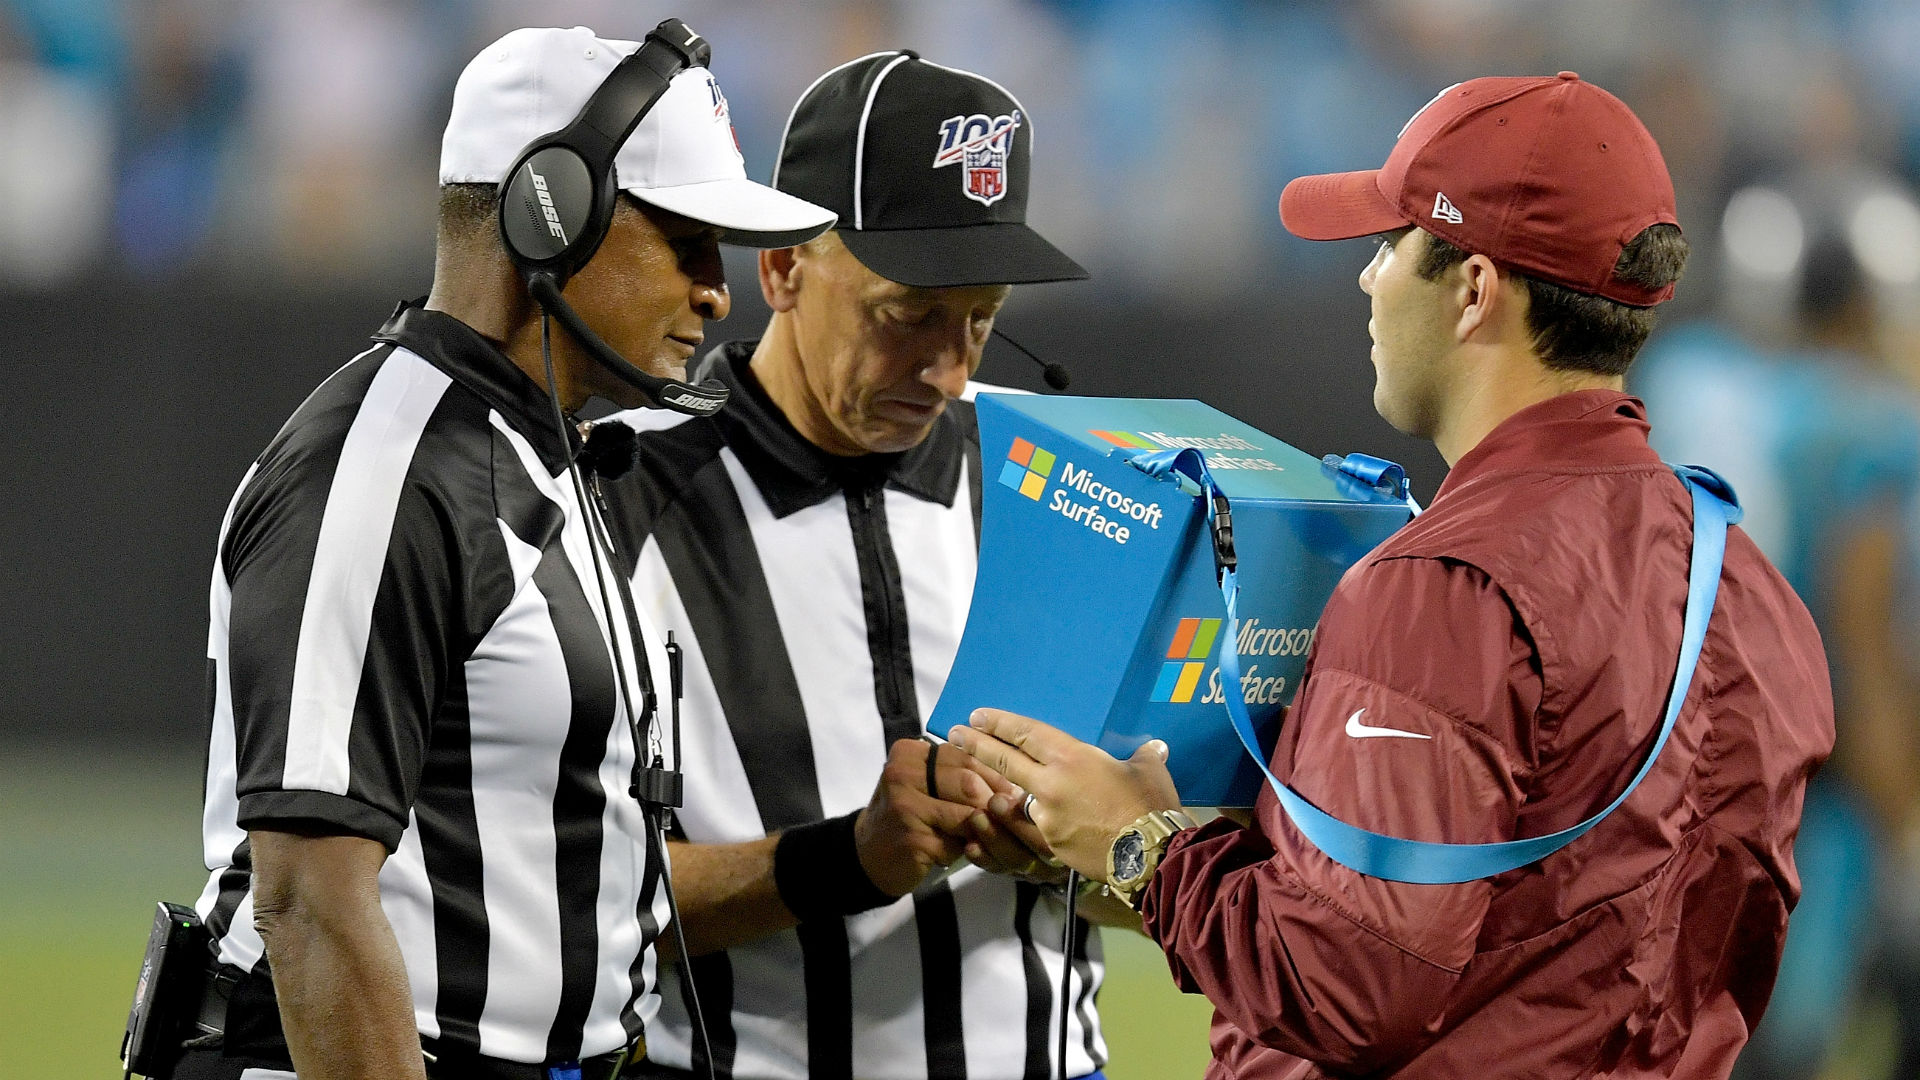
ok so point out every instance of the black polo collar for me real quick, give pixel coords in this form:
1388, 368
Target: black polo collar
793, 474
478, 364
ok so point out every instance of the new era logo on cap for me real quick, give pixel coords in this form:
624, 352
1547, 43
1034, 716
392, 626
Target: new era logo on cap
1550, 175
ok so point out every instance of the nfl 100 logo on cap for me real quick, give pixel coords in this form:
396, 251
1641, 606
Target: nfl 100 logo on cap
928, 167
983, 143
1096, 607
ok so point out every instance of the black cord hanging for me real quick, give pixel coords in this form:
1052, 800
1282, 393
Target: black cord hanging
653, 816
1067, 939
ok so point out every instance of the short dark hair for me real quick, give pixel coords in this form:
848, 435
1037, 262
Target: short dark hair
1576, 331
468, 210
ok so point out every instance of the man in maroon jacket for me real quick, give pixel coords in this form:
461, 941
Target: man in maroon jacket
1497, 670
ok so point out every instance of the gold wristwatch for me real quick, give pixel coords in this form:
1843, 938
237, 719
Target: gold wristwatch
1135, 853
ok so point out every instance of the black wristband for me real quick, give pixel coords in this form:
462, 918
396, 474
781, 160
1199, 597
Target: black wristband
817, 869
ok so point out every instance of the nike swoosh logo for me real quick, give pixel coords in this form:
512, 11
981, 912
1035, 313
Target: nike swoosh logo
1366, 731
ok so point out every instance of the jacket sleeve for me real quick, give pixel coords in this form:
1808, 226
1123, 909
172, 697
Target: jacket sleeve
1413, 720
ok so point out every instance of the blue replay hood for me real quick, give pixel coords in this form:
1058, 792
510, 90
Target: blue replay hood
1096, 607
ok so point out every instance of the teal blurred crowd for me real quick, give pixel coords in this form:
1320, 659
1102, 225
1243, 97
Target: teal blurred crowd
297, 138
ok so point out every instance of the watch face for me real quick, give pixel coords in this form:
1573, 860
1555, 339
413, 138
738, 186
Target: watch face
1129, 850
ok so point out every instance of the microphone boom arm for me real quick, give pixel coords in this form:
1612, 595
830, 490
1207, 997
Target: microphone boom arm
694, 399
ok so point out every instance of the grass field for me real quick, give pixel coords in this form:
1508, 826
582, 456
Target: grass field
89, 845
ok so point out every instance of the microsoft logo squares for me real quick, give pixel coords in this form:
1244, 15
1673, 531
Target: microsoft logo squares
1027, 469
1192, 644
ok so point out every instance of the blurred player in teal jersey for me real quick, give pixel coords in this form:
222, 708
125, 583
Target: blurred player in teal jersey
1794, 398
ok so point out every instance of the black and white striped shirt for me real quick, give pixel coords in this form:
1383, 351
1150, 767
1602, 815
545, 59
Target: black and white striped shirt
820, 601
408, 645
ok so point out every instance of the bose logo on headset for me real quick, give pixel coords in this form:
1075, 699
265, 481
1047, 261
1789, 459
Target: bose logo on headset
546, 205
699, 406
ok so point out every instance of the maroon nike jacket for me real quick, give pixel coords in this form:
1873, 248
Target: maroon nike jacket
1499, 669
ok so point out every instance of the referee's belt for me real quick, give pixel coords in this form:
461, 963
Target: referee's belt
445, 1062
458, 1063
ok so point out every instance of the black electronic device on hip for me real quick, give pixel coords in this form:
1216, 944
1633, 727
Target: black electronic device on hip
166, 1000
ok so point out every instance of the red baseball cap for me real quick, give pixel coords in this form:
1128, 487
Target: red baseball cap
1553, 176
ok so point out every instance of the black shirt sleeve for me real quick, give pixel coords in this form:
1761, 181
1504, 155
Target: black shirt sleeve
342, 556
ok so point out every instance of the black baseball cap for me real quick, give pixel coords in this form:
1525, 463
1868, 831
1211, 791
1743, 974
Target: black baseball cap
927, 167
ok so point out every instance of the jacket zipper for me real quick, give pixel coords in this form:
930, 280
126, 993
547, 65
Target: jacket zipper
887, 639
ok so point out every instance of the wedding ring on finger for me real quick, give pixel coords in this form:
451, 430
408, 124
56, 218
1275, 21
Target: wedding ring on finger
1026, 808
933, 767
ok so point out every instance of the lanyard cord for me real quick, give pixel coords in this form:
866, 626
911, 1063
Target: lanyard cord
1393, 858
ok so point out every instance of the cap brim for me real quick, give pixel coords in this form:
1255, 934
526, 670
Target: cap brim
747, 214
999, 253
1338, 206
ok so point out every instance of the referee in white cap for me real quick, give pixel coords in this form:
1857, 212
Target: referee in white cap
427, 693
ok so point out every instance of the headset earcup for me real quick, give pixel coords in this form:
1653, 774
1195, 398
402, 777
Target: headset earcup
551, 215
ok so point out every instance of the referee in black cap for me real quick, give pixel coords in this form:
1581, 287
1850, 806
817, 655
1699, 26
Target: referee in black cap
854, 904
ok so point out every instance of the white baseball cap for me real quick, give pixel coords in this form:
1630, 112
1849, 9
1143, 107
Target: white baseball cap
682, 158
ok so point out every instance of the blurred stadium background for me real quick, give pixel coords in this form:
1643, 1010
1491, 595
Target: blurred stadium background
204, 204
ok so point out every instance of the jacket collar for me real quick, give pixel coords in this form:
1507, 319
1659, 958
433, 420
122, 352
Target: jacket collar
1585, 431
478, 364
793, 474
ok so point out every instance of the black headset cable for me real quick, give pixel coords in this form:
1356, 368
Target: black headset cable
654, 816
1067, 938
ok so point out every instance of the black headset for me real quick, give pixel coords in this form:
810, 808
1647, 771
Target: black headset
557, 201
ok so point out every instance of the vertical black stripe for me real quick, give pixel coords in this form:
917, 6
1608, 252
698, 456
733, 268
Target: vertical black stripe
450, 850
423, 625
235, 881
939, 924
649, 932
444, 810
829, 980
1039, 986
1083, 1007
713, 979
578, 799
884, 601
210, 696
936, 923
267, 555
237, 878
704, 539
708, 549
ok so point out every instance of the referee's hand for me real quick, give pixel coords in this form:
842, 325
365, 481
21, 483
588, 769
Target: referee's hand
1003, 841
1082, 796
905, 833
